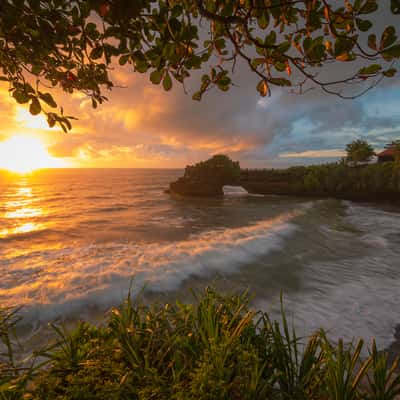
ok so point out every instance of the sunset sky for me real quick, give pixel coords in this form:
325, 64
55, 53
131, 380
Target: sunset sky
143, 126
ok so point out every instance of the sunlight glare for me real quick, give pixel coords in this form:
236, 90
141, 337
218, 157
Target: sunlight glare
24, 117
24, 154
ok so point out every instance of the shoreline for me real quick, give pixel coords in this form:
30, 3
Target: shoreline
378, 182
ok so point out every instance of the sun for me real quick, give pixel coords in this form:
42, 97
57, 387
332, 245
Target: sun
25, 119
24, 154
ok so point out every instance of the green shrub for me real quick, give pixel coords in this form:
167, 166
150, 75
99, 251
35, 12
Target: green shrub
213, 348
334, 179
219, 168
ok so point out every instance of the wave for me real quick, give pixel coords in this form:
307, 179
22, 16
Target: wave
350, 298
37, 231
355, 294
108, 209
69, 279
377, 226
100, 197
235, 191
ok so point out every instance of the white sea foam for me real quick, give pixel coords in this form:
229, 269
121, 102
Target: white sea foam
355, 295
235, 191
357, 307
54, 282
376, 225
370, 218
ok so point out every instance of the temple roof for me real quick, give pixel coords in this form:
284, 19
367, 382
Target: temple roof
388, 152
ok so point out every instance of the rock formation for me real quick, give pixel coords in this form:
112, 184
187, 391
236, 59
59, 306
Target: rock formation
207, 178
373, 182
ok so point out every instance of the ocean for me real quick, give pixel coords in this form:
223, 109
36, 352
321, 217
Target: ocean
73, 243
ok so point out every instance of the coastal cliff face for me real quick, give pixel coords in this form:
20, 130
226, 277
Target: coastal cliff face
199, 188
372, 182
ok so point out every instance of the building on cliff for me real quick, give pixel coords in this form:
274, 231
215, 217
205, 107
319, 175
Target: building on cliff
390, 154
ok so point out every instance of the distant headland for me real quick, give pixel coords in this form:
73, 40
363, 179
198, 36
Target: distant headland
344, 180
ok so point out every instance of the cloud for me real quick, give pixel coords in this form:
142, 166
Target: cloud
144, 126
315, 154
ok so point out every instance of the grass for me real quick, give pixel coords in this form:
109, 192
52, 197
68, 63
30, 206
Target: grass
213, 348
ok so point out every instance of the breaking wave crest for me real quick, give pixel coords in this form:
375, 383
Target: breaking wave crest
56, 282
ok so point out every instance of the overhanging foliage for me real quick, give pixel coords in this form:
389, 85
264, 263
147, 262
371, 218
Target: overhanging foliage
72, 45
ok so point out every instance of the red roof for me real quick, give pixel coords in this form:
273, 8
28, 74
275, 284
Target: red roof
388, 152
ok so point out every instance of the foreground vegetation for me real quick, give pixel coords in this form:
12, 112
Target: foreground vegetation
213, 348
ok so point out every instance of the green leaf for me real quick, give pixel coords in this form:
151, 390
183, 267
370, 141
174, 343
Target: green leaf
392, 52
263, 20
124, 59
35, 107
167, 82
363, 25
223, 83
280, 66
96, 53
370, 70
307, 43
219, 44
91, 26
280, 82
36, 69
197, 96
68, 123
390, 73
257, 61
357, 5
156, 76
48, 99
20, 96
395, 6
64, 128
343, 45
270, 39
204, 85
388, 37
284, 47
28, 88
141, 66
51, 120
369, 7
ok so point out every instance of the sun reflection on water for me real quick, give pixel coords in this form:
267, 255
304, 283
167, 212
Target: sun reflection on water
21, 211
24, 228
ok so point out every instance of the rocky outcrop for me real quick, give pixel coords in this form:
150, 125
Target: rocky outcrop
198, 188
207, 178
266, 188
214, 188
373, 182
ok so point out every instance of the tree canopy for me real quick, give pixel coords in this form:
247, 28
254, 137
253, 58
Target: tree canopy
359, 151
73, 44
217, 168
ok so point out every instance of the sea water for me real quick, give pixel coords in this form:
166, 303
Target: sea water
73, 243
